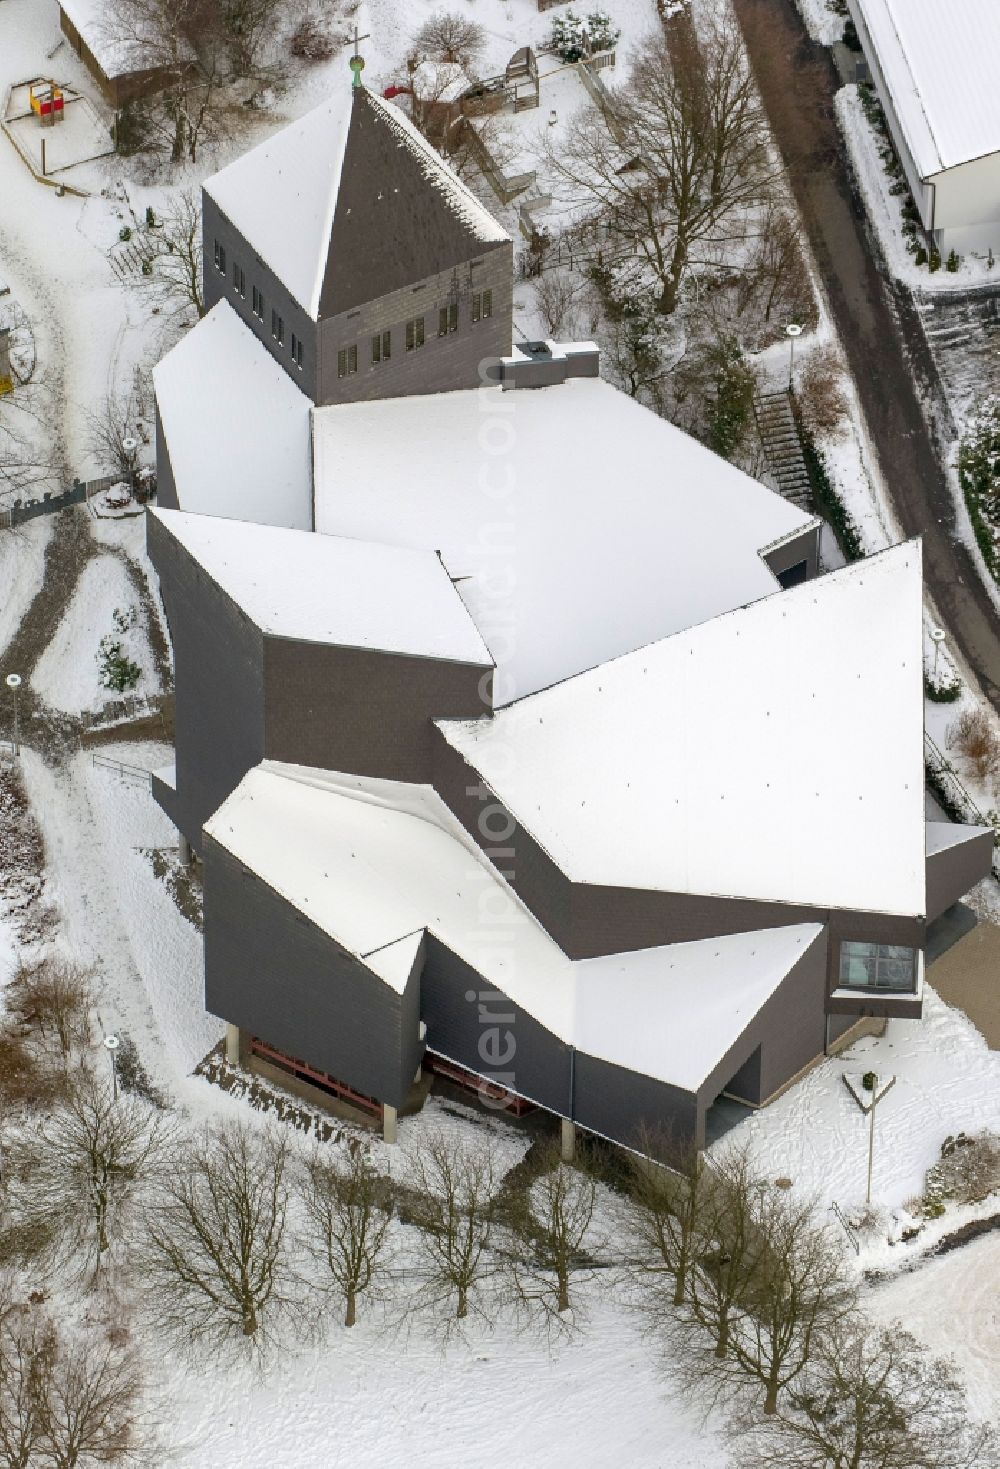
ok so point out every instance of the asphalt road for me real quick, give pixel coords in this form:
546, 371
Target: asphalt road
878, 325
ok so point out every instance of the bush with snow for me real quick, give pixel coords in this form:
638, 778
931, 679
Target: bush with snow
574, 39
979, 472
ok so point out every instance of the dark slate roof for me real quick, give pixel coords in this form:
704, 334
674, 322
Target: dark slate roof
401, 213
351, 203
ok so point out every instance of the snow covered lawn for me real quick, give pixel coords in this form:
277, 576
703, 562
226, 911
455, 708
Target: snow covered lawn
67, 674
947, 1081
22, 566
951, 1305
117, 915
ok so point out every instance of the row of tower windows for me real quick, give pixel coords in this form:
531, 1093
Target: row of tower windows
257, 304
414, 334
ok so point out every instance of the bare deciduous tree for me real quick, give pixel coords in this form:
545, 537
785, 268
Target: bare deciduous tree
53, 997
349, 1207
91, 1409
557, 293
83, 1168
450, 38
798, 1290
455, 1209
672, 165
27, 1346
819, 391
973, 736
723, 1276
671, 1188
871, 1398
217, 1263
552, 1216
177, 256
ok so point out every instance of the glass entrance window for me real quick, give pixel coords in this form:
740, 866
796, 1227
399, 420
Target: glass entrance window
878, 967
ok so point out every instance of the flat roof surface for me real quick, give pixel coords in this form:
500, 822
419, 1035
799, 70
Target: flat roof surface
577, 524
236, 427
115, 53
775, 753
940, 65
324, 589
375, 863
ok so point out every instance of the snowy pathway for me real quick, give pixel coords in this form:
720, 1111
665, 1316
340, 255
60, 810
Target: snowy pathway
117, 916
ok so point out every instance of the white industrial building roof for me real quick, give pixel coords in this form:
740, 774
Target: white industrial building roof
940, 65
236, 427
775, 753
375, 863
324, 589
576, 524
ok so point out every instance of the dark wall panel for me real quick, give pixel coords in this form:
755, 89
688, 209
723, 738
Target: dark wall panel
219, 286
365, 712
218, 683
488, 1033
277, 975
951, 873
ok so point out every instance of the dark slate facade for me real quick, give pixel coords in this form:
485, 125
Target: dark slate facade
373, 285
277, 975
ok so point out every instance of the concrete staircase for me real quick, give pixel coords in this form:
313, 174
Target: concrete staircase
779, 436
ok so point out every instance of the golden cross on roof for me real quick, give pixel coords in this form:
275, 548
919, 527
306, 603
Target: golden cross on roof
357, 61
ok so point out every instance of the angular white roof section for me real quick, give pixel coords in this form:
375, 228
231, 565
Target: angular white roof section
940, 65
941, 836
577, 524
236, 427
323, 589
376, 863
775, 753
118, 48
281, 196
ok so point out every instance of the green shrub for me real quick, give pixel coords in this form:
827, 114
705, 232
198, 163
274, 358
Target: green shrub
828, 501
921, 255
934, 259
952, 262
942, 692
979, 475
125, 232
116, 669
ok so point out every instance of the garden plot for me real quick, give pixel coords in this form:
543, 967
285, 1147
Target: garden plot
67, 675
79, 138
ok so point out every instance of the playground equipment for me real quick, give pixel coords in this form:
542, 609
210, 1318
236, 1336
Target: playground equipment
47, 102
6, 372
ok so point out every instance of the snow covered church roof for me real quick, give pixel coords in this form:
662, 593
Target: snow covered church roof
577, 524
327, 202
940, 66
324, 589
236, 428
375, 863
775, 753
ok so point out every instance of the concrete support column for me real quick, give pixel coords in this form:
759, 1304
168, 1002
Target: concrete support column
183, 850
234, 1045
567, 1140
389, 1127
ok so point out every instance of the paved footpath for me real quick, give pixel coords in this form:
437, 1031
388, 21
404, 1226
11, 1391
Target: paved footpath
878, 325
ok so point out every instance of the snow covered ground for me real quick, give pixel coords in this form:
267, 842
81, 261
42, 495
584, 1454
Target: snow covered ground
951, 1305
67, 674
22, 566
823, 21
947, 1081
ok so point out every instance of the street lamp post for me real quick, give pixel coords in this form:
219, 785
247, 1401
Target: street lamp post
792, 331
112, 1043
937, 638
14, 683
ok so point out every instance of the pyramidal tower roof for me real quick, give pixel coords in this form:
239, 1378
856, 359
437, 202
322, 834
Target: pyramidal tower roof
351, 202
